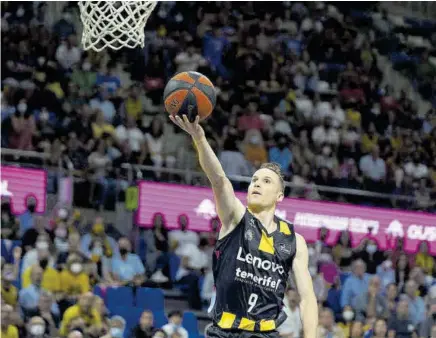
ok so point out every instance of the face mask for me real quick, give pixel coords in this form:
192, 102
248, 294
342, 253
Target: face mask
348, 315
97, 251
123, 251
86, 66
254, 140
117, 332
5, 217
41, 60
371, 248
37, 330
22, 107
43, 263
61, 232
326, 151
31, 208
76, 268
325, 257
42, 245
66, 16
43, 116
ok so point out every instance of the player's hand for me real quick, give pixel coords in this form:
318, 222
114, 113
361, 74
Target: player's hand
192, 128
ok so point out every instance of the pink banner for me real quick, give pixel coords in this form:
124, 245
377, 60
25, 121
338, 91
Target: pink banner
18, 184
384, 225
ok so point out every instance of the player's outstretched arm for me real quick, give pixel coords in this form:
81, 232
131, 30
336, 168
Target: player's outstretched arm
230, 209
308, 304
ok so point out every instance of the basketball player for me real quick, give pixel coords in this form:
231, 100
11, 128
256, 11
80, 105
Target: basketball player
254, 253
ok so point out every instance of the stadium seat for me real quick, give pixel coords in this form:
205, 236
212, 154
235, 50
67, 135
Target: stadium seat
159, 318
150, 298
98, 291
190, 323
116, 297
131, 314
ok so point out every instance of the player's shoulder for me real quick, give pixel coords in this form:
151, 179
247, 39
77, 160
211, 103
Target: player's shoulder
285, 227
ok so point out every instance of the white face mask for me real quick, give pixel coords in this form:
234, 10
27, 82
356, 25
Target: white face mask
311, 251
326, 151
76, 268
348, 315
37, 330
312, 271
22, 107
61, 232
41, 60
86, 66
42, 245
371, 248
255, 140
43, 116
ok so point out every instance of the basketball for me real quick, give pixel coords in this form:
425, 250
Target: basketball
190, 94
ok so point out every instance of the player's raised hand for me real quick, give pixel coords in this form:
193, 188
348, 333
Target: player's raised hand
192, 128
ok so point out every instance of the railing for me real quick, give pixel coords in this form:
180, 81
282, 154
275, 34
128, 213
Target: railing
194, 177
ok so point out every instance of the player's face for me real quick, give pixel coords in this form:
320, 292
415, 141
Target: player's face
264, 190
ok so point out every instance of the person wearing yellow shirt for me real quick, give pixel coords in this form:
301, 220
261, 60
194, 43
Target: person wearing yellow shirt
133, 105
9, 292
7, 329
424, 260
254, 148
50, 277
354, 118
74, 280
100, 126
85, 310
369, 139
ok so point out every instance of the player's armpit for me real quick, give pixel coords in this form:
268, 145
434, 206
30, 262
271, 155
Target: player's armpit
308, 304
229, 208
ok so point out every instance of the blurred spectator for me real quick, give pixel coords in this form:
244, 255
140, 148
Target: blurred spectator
342, 251
402, 271
9, 224
41, 251
30, 238
291, 327
145, 328
251, 118
117, 327
370, 254
128, 268
50, 277
30, 296
74, 279
183, 236
374, 169
160, 334
355, 284
189, 60
28, 217
23, 128
380, 329
233, 162
427, 326
130, 133
254, 149
7, 329
424, 260
386, 273
85, 310
97, 244
327, 326
157, 244
9, 292
175, 325
371, 303
84, 77
36, 328
48, 310
68, 54
399, 324
416, 303
281, 154
103, 104
346, 323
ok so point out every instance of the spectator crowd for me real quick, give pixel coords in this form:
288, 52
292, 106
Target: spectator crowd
297, 83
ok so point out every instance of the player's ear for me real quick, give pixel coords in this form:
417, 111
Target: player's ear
280, 196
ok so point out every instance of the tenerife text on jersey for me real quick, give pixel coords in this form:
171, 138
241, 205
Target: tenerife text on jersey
262, 264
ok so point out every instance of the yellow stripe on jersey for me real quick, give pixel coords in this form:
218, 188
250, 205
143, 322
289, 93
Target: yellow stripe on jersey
246, 324
226, 321
266, 244
284, 228
267, 325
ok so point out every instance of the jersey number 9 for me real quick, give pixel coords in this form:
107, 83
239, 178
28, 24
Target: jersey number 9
252, 300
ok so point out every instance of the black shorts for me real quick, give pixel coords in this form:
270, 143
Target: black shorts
216, 332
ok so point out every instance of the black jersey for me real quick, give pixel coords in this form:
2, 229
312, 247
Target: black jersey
251, 269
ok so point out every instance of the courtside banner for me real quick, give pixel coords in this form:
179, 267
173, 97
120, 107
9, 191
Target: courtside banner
18, 184
384, 225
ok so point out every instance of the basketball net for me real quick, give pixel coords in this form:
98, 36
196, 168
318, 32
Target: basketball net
114, 24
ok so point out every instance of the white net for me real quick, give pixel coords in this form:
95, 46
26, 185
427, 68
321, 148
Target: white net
114, 24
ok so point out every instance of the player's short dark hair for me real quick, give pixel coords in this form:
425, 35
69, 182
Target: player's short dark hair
276, 169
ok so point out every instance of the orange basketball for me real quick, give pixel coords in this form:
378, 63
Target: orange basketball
190, 94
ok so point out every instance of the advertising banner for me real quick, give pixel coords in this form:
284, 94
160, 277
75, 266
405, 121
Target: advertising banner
19, 184
383, 225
